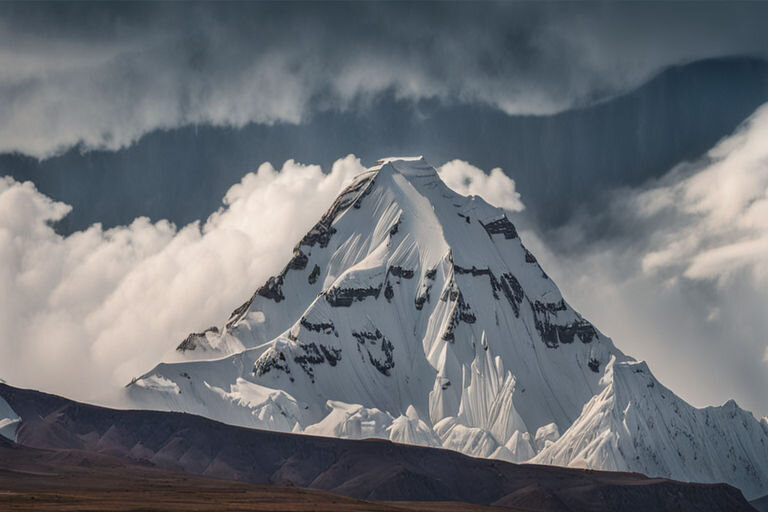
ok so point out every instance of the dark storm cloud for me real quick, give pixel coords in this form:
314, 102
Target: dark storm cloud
105, 74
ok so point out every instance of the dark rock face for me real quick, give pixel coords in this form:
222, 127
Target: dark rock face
298, 261
363, 336
241, 310
462, 312
474, 271
370, 469
309, 354
324, 327
422, 298
386, 362
553, 333
192, 341
513, 291
549, 307
594, 365
314, 354
401, 272
424, 295
502, 226
272, 289
312, 278
366, 339
344, 297
321, 233
388, 292
332, 354
394, 229
265, 365
507, 284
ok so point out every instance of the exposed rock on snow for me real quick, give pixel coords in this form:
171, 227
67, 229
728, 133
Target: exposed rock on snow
636, 424
412, 313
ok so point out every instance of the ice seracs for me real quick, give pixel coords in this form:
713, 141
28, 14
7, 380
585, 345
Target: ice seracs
412, 313
636, 424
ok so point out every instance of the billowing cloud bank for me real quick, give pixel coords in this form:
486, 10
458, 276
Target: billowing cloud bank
716, 211
105, 74
682, 278
83, 314
675, 272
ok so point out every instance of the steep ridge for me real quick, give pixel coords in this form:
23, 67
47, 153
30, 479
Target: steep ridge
637, 424
415, 314
108, 442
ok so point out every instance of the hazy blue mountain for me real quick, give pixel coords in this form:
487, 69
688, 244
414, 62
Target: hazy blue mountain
559, 162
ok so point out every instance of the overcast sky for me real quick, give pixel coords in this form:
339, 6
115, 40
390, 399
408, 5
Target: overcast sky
105, 73
674, 270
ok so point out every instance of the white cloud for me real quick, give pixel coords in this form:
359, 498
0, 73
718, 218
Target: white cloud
85, 313
716, 211
496, 187
680, 278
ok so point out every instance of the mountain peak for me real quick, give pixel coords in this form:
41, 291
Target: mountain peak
406, 159
404, 296
406, 165
414, 313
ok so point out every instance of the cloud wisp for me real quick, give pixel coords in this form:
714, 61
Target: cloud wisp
85, 313
718, 210
102, 75
495, 187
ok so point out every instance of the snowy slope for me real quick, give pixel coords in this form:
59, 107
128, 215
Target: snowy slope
412, 313
636, 424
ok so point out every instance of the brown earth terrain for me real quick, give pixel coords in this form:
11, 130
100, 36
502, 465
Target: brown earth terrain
69, 480
111, 459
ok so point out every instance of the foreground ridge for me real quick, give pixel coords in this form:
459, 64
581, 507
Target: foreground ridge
415, 314
61, 443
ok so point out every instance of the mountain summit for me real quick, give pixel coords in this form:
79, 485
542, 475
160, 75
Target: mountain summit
412, 313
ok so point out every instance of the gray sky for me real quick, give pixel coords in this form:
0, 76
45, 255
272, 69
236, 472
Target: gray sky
106, 73
676, 270
658, 265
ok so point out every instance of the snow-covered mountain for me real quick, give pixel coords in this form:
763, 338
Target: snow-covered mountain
412, 313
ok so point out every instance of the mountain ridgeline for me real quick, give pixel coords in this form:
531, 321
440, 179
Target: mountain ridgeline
414, 314
74, 456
